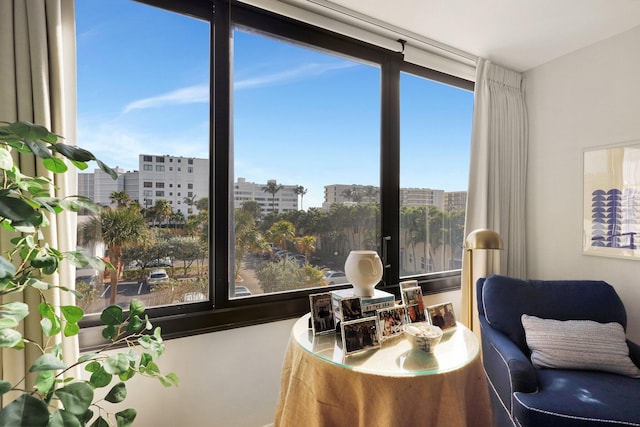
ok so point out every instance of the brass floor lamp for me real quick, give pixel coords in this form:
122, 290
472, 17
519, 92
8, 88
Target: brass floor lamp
478, 239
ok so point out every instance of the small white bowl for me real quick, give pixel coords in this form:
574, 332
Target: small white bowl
423, 336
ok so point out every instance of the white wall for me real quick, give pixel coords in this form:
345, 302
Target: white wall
586, 99
228, 378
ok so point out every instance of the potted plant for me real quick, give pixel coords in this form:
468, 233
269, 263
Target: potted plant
25, 204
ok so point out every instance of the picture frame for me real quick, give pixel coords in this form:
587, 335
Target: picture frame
391, 321
360, 335
412, 300
322, 318
409, 284
351, 308
442, 315
611, 198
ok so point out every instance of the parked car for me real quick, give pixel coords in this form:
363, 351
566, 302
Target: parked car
332, 277
157, 277
241, 291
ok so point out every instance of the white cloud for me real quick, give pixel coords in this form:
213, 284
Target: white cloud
187, 95
304, 71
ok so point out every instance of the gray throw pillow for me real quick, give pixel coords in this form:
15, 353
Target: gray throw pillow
578, 344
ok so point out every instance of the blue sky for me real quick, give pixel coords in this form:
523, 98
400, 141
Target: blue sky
300, 116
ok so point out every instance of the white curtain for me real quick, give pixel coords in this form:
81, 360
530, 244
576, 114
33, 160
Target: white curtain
497, 175
37, 84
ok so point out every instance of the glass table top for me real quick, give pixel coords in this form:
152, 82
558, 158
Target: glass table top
395, 356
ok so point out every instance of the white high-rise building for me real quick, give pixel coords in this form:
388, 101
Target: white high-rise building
284, 200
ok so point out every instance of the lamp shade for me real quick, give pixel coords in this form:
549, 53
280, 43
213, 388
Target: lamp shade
483, 239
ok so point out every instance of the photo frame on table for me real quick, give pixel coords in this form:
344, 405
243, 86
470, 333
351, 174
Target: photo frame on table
442, 316
409, 284
351, 308
611, 198
322, 319
412, 300
391, 321
360, 335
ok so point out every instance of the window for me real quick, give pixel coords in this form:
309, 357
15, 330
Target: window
147, 158
148, 184
159, 184
307, 126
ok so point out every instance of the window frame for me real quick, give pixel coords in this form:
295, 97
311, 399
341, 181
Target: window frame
221, 312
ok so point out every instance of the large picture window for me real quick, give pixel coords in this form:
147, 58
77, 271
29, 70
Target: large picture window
302, 145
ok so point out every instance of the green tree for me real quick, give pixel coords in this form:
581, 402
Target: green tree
300, 191
306, 245
116, 228
272, 188
120, 198
253, 208
280, 233
202, 204
162, 210
246, 237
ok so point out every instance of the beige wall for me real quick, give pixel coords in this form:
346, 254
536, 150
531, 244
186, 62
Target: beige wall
586, 99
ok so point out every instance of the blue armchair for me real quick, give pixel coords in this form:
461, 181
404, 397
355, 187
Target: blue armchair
522, 395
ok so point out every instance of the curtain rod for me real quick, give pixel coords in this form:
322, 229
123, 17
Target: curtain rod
429, 44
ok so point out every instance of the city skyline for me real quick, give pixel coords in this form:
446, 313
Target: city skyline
142, 89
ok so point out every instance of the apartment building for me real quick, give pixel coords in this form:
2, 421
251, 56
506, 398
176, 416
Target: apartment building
284, 200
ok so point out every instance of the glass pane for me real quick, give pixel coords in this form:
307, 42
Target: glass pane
435, 136
306, 164
143, 106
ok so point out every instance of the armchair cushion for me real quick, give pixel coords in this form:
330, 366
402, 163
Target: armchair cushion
572, 398
578, 344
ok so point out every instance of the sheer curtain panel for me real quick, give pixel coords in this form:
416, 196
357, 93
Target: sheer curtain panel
497, 174
37, 84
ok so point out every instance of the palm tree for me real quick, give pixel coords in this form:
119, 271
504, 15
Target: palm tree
120, 198
306, 245
116, 228
281, 232
163, 210
300, 191
272, 188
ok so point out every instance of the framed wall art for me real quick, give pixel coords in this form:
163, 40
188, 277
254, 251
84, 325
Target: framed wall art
611, 195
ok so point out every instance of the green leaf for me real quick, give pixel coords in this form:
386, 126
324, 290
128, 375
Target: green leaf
112, 315
27, 130
62, 418
87, 357
76, 397
55, 165
126, 376
48, 263
16, 310
26, 410
16, 209
72, 313
117, 363
74, 153
100, 378
6, 161
5, 386
47, 362
136, 307
110, 332
45, 381
111, 172
7, 270
125, 418
100, 422
135, 324
71, 329
10, 338
38, 149
92, 366
117, 393
170, 379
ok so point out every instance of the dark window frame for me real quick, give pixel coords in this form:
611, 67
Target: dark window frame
221, 312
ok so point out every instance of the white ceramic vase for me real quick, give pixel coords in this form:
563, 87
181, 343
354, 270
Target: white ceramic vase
364, 271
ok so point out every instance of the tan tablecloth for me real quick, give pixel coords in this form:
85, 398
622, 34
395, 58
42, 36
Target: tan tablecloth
314, 392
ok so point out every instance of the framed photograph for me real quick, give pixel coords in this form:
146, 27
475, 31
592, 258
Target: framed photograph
351, 308
359, 335
441, 315
412, 299
611, 195
391, 321
409, 284
322, 320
